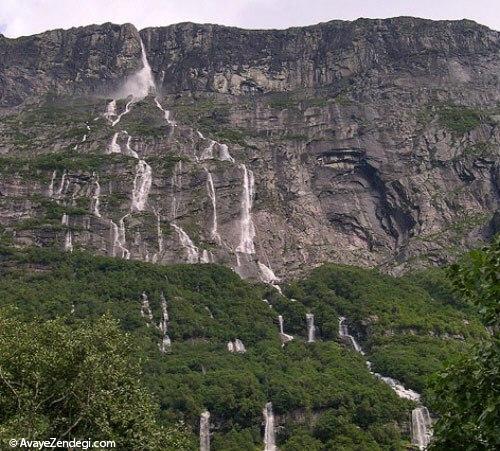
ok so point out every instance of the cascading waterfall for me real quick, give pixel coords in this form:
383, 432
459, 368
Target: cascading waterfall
145, 307
51, 186
214, 234
163, 326
344, 334
166, 113
236, 346
224, 153
127, 109
129, 151
267, 274
247, 228
310, 328
119, 239
208, 152
142, 185
110, 110
114, 147
399, 388
159, 234
62, 186
205, 431
96, 196
269, 432
284, 337
421, 422
193, 253
140, 84
421, 427
68, 240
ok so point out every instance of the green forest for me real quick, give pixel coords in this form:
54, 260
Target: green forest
77, 319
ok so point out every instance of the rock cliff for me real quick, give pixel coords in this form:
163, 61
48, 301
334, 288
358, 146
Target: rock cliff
373, 142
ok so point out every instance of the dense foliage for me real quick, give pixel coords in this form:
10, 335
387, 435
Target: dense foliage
467, 393
70, 379
408, 326
321, 392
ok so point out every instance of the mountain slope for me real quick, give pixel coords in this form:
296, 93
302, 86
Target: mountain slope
322, 392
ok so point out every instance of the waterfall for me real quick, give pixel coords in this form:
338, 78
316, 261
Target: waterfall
68, 240
214, 234
114, 147
206, 257
51, 186
310, 327
236, 346
205, 431
239, 346
267, 274
119, 240
284, 337
208, 152
224, 153
130, 152
140, 84
269, 432
193, 253
159, 234
61, 189
142, 185
166, 113
94, 206
344, 334
145, 307
128, 107
163, 326
110, 110
421, 427
400, 390
421, 422
176, 185
246, 245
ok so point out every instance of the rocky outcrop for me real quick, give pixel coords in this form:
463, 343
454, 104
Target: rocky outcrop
372, 142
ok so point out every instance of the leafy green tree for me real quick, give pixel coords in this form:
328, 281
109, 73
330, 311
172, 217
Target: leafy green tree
70, 380
467, 393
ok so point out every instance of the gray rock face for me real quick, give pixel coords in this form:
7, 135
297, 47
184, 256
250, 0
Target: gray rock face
85, 60
373, 142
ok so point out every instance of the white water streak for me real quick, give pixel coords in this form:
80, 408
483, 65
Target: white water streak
166, 113
310, 328
205, 431
421, 427
142, 185
68, 239
193, 253
96, 197
51, 186
247, 229
269, 431
114, 147
214, 233
119, 238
